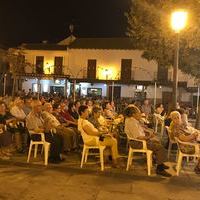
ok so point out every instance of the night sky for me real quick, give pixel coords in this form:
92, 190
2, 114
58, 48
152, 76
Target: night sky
34, 21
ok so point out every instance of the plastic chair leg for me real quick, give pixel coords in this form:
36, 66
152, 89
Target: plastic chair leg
86, 154
129, 159
149, 162
178, 167
101, 158
83, 156
35, 150
29, 152
46, 153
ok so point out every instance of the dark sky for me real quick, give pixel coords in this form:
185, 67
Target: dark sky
34, 21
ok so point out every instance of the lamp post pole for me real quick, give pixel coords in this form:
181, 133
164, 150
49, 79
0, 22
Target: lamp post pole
113, 87
175, 71
178, 23
155, 91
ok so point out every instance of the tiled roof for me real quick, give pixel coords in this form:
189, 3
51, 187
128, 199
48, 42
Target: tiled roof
102, 43
44, 46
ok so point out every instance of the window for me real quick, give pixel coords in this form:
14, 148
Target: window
126, 65
58, 63
91, 69
162, 74
39, 64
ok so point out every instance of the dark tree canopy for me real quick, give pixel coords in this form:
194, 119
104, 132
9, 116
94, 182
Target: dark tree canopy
150, 28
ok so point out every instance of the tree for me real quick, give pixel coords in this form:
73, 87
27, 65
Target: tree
149, 28
17, 63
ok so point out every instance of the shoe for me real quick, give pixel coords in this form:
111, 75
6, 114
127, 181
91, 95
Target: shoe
163, 173
53, 161
165, 166
197, 170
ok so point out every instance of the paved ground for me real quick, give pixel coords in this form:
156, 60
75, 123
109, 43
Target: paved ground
66, 181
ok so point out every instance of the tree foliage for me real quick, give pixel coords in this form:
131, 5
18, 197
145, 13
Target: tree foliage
149, 26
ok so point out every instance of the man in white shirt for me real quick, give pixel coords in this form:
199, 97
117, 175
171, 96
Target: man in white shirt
135, 130
35, 122
51, 122
20, 133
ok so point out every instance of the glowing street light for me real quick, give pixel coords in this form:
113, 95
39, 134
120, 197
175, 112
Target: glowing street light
178, 23
179, 20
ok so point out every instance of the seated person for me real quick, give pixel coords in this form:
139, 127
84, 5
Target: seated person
184, 116
134, 130
108, 113
51, 122
35, 122
185, 134
6, 147
66, 116
92, 136
21, 135
94, 119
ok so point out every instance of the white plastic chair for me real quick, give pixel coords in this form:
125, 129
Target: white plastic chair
143, 150
159, 120
171, 141
182, 154
87, 147
45, 145
85, 154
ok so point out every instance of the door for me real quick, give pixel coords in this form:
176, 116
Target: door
39, 64
162, 74
167, 98
91, 69
116, 94
58, 65
126, 65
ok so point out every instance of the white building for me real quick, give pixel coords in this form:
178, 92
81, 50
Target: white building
98, 65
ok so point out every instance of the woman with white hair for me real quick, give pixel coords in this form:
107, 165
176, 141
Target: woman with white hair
185, 133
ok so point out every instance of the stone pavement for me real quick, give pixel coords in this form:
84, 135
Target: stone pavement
66, 181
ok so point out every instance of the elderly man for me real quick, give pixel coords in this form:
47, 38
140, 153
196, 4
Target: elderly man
20, 132
184, 133
135, 130
51, 122
35, 122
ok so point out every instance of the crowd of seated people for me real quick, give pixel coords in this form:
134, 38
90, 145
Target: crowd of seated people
64, 122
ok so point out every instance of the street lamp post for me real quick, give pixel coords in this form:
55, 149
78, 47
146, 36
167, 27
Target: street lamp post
178, 22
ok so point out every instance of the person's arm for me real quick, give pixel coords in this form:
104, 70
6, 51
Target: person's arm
90, 130
188, 138
143, 137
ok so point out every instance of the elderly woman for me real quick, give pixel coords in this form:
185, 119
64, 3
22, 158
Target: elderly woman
185, 134
135, 130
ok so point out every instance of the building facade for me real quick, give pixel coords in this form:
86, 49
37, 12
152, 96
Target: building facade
107, 67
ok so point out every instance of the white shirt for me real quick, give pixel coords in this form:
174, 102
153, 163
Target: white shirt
133, 129
34, 121
17, 112
50, 119
86, 137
